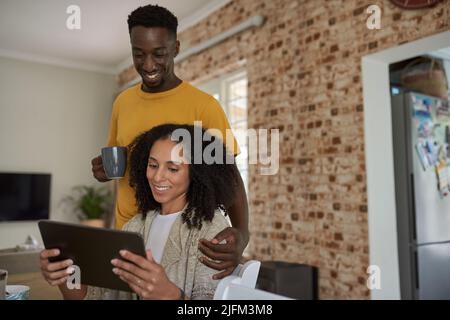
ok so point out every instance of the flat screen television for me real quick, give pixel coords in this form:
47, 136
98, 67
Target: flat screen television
24, 196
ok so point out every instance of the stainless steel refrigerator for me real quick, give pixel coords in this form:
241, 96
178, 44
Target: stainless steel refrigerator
422, 169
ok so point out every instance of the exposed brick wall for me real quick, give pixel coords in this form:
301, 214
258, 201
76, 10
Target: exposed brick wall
304, 71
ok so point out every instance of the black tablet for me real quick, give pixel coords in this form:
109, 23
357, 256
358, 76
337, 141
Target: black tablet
91, 249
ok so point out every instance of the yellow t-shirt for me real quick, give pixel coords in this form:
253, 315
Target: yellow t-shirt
136, 111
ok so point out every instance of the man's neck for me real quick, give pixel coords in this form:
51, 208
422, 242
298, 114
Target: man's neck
166, 86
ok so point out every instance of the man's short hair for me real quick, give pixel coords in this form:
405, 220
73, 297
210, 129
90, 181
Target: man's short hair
153, 16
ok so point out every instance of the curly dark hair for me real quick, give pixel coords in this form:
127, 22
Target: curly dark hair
212, 186
153, 16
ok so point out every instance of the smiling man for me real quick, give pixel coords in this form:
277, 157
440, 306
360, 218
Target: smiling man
162, 98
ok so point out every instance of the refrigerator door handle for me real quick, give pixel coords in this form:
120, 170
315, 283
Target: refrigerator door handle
416, 273
413, 211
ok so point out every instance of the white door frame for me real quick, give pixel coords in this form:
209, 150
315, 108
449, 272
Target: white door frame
382, 221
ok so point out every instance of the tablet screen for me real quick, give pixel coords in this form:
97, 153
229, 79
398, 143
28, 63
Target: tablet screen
92, 250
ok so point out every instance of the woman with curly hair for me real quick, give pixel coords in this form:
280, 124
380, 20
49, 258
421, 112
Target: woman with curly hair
180, 201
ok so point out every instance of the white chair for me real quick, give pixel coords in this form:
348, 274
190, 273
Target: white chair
240, 285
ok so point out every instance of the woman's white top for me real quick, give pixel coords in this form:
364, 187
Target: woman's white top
159, 232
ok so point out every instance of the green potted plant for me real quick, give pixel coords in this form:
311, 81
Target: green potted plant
90, 204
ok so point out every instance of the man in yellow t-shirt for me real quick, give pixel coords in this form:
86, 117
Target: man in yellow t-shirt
164, 98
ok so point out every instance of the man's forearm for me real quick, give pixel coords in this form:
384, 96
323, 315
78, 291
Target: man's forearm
239, 210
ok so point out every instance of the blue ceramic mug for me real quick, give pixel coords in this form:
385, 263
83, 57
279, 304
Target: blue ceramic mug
114, 161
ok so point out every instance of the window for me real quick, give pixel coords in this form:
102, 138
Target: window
231, 92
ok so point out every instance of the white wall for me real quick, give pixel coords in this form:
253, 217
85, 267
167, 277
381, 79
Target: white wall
52, 120
383, 250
